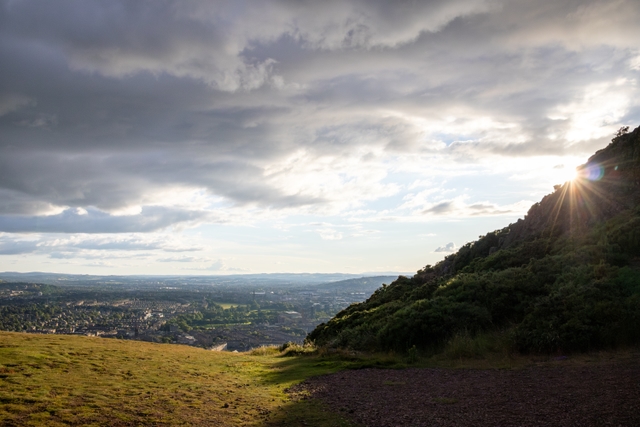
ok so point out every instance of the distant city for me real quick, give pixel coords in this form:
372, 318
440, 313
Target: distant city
232, 313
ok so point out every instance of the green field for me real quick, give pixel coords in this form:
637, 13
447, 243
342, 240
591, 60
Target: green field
228, 305
57, 380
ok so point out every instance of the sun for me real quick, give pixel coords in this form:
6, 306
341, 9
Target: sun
572, 174
583, 196
562, 174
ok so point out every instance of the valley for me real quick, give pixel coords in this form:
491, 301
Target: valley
237, 313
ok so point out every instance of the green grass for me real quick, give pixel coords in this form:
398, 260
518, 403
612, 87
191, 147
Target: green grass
228, 305
57, 380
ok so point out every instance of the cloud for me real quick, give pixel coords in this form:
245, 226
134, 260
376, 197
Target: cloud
219, 265
120, 242
17, 247
224, 112
187, 259
458, 207
125, 248
214, 42
216, 265
13, 101
90, 255
42, 120
446, 207
94, 221
330, 234
448, 248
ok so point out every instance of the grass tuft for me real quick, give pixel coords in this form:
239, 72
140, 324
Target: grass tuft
265, 350
294, 349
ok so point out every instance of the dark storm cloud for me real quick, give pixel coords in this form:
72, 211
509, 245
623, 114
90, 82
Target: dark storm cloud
109, 105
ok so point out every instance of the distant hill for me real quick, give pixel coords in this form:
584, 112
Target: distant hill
566, 277
254, 280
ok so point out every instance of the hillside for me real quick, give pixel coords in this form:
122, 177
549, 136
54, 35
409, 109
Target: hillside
62, 380
564, 278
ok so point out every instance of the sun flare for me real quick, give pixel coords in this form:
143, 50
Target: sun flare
567, 172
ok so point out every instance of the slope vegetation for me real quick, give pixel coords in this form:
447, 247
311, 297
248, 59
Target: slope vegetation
564, 278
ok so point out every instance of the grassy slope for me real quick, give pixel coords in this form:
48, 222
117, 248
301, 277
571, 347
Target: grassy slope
68, 380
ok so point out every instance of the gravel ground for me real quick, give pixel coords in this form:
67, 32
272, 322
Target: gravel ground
538, 396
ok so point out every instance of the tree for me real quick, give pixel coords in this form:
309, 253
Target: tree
623, 130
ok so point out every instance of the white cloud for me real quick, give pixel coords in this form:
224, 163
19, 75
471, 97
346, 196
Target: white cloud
9, 246
598, 112
330, 234
448, 248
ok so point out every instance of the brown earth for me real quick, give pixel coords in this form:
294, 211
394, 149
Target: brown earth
605, 395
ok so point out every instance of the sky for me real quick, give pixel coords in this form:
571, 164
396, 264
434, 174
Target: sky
220, 137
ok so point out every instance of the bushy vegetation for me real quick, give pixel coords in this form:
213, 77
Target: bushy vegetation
566, 278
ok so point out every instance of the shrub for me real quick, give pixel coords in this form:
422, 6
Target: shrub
265, 350
294, 349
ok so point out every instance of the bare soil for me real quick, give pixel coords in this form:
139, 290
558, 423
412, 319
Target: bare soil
601, 395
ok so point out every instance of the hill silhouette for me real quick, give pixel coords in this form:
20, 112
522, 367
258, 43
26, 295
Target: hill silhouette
564, 278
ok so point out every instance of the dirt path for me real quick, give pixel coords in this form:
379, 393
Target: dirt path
538, 396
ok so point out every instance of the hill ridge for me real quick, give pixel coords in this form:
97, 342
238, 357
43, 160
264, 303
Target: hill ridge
563, 277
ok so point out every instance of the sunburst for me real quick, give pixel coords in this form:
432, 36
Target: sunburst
585, 197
